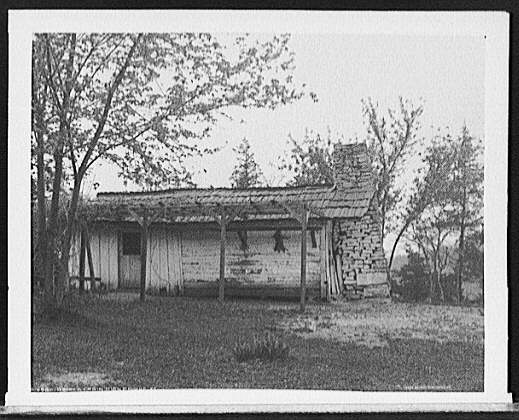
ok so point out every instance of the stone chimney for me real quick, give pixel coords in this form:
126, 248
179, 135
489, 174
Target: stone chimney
351, 166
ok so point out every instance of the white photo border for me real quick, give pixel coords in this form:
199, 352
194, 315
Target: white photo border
494, 26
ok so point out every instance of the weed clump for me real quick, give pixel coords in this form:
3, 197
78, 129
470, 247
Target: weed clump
266, 348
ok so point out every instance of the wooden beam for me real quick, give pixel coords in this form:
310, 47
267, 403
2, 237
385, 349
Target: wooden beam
304, 223
332, 275
294, 212
138, 218
207, 211
322, 265
228, 214
327, 264
223, 234
82, 260
144, 252
297, 212
89, 256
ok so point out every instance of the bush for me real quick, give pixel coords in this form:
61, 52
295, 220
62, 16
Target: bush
414, 286
268, 348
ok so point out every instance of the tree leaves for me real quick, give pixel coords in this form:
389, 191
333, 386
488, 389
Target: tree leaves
391, 138
310, 159
448, 194
247, 172
173, 90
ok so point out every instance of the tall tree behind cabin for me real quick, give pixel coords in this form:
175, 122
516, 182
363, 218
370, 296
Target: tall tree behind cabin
246, 172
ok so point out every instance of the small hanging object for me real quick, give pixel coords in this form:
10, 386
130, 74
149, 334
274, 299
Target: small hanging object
313, 238
242, 234
279, 246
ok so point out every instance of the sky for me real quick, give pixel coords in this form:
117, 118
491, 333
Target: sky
446, 73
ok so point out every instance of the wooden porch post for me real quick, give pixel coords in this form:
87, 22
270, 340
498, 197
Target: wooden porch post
223, 233
89, 256
144, 252
82, 261
304, 225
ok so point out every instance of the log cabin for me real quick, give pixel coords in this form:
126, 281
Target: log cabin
317, 241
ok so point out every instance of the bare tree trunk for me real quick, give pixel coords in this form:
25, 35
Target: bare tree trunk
69, 233
440, 287
431, 287
42, 219
53, 294
437, 271
39, 100
461, 249
144, 255
393, 249
51, 250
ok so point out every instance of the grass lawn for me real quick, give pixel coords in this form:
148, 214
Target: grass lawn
171, 342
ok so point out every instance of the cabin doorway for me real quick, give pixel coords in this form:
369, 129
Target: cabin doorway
129, 259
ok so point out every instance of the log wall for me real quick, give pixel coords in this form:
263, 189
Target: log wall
260, 267
188, 261
104, 247
163, 264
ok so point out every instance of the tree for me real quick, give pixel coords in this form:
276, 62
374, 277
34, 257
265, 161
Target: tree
431, 214
310, 159
246, 172
467, 177
144, 102
390, 140
474, 269
430, 233
431, 184
38, 143
415, 277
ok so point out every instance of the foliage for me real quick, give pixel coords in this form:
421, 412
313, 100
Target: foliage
474, 267
267, 348
446, 199
145, 101
309, 160
434, 224
415, 283
467, 177
247, 172
390, 139
414, 274
468, 194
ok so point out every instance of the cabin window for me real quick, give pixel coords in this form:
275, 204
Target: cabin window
131, 243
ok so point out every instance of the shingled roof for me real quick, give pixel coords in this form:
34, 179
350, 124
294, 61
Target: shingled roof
189, 205
346, 199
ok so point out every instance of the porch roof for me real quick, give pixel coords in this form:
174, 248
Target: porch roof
197, 205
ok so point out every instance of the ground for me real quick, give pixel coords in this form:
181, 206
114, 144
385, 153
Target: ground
169, 342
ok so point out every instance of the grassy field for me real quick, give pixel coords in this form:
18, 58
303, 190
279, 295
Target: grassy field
188, 343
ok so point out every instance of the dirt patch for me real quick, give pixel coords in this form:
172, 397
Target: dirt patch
121, 296
373, 323
76, 380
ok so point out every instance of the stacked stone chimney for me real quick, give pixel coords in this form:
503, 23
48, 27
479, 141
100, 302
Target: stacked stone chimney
351, 165
358, 241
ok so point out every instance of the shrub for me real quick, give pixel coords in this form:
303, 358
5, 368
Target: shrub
267, 348
414, 286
